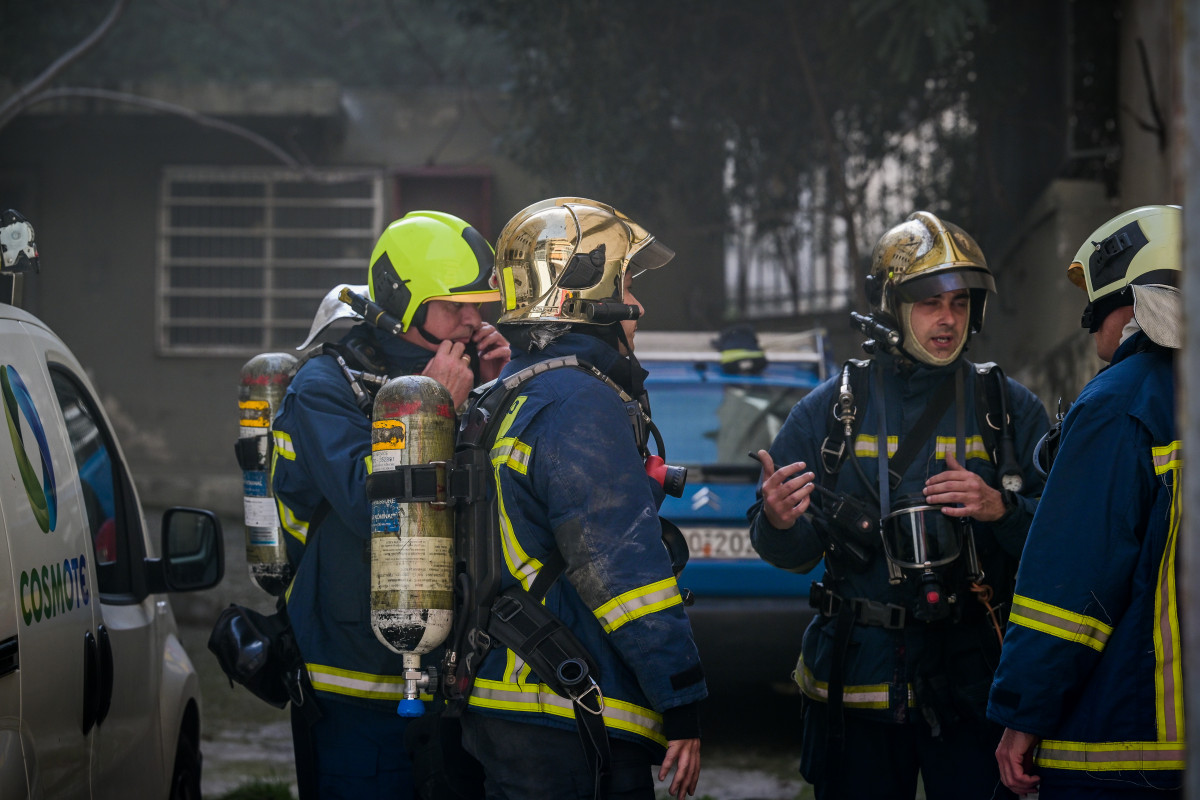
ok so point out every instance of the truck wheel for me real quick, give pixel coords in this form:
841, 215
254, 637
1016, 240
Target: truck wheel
185, 782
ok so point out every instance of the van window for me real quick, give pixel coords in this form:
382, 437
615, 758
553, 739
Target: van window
115, 533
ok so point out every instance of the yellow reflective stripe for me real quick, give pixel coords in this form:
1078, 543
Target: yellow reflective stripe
367, 461
1059, 622
356, 684
948, 445
520, 564
638, 603
511, 453
538, 699
1167, 457
1111, 756
295, 527
869, 696
283, 445
1168, 642
510, 416
867, 445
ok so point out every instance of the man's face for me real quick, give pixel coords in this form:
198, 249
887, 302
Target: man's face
630, 325
448, 320
939, 323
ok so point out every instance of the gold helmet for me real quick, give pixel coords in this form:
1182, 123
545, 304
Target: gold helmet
919, 258
1138, 249
564, 260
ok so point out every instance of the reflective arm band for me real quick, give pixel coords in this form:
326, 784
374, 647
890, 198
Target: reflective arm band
638, 603
1060, 623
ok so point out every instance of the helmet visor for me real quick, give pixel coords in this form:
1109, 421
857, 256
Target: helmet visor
652, 256
917, 289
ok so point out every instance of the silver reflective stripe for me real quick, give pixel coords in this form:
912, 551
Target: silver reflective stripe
1167, 457
356, 684
1060, 622
638, 603
876, 696
1111, 756
539, 699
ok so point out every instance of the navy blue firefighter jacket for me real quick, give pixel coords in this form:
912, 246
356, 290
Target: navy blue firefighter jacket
322, 453
947, 665
570, 478
1093, 655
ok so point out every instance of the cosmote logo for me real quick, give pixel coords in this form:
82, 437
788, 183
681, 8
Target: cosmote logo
18, 405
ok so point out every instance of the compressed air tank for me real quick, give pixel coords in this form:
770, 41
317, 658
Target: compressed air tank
412, 543
261, 387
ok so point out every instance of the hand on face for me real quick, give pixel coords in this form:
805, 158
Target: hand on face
451, 367
493, 350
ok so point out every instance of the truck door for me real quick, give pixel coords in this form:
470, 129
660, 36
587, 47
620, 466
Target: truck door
52, 576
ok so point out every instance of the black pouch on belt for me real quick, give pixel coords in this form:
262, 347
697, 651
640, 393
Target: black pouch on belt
530, 630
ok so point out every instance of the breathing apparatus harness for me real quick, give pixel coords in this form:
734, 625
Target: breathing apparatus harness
850, 526
852, 530
516, 618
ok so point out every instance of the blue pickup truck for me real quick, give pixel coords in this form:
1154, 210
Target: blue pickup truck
748, 616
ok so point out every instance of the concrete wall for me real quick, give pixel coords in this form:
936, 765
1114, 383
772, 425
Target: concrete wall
90, 183
1032, 325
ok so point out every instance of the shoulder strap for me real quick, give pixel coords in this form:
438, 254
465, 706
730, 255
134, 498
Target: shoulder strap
363, 375
992, 402
844, 419
492, 401
989, 405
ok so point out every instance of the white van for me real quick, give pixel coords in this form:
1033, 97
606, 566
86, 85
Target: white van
97, 696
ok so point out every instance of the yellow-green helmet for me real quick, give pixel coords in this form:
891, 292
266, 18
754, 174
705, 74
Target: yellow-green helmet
430, 255
1141, 247
564, 260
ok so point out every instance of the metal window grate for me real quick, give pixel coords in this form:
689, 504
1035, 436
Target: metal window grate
245, 255
799, 268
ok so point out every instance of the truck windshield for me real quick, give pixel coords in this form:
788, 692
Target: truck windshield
716, 424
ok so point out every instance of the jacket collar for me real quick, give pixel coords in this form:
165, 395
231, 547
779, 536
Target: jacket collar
586, 348
397, 356
1134, 344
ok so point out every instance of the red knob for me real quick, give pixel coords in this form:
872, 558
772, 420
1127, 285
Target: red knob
656, 468
932, 597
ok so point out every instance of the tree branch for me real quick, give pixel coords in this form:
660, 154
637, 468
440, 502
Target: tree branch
20, 99
167, 108
837, 166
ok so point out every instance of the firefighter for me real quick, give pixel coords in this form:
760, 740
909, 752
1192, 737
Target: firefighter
1090, 687
892, 472
431, 271
573, 489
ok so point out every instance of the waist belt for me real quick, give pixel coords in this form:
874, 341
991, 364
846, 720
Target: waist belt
863, 611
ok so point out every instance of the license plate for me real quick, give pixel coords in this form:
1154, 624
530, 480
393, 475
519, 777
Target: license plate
719, 543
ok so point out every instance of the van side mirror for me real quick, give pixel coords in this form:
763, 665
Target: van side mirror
193, 551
